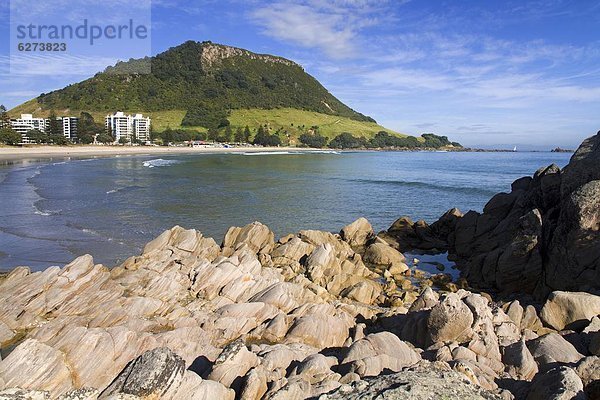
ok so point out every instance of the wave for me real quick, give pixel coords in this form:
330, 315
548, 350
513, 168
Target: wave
159, 162
267, 153
124, 188
323, 152
426, 185
288, 153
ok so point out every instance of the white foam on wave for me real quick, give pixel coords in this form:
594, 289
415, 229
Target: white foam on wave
267, 153
288, 153
323, 152
45, 214
159, 162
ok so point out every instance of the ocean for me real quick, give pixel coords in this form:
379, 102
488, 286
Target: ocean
52, 211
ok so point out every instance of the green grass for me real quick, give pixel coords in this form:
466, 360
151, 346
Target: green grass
296, 121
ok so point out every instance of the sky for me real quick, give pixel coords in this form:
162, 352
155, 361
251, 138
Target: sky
493, 74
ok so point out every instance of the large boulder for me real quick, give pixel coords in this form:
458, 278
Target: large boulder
571, 310
152, 375
383, 256
561, 383
450, 320
519, 361
378, 352
255, 236
232, 364
35, 365
358, 233
423, 382
553, 348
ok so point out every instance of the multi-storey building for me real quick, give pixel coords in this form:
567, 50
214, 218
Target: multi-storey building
141, 127
69, 126
26, 123
129, 127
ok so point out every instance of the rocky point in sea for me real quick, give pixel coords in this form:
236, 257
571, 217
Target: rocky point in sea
328, 316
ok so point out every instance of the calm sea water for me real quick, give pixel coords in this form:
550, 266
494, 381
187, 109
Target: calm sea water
53, 211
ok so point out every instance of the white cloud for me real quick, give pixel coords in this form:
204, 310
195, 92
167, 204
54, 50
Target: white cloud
306, 27
331, 26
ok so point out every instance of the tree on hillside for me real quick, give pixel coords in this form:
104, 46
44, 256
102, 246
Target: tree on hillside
261, 137
313, 140
4, 118
167, 136
105, 137
346, 140
247, 134
88, 129
54, 125
59, 140
239, 135
212, 134
227, 135
9, 136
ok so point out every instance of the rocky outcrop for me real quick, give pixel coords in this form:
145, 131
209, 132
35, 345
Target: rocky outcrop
405, 235
542, 236
569, 309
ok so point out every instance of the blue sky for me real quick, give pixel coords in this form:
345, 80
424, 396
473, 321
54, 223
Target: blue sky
485, 73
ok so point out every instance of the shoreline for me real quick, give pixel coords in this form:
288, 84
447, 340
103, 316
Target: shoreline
49, 152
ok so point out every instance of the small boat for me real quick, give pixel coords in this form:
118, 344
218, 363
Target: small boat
515, 149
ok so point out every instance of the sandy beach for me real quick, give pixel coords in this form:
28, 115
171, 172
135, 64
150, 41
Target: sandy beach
42, 152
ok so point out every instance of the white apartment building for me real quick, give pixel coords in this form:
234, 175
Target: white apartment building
141, 127
69, 126
128, 126
26, 123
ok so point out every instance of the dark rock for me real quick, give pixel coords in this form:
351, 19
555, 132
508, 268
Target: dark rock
542, 236
150, 375
410, 235
560, 383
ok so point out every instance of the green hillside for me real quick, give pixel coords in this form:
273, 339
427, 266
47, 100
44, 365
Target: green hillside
204, 80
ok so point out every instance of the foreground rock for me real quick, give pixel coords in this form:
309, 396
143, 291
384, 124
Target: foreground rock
151, 375
424, 383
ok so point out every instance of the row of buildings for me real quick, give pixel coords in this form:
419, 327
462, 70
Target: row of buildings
118, 125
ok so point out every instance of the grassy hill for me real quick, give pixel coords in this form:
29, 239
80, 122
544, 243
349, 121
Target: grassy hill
204, 80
